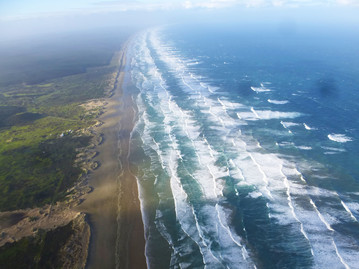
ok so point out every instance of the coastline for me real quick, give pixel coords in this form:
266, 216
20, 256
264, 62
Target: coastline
117, 232
102, 209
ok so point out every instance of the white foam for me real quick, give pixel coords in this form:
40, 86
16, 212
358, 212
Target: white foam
175, 116
260, 89
285, 144
348, 210
267, 115
179, 194
185, 213
321, 216
235, 239
340, 138
192, 63
307, 127
291, 205
353, 206
255, 194
222, 104
340, 257
278, 102
255, 113
331, 152
264, 176
287, 124
248, 164
334, 149
304, 147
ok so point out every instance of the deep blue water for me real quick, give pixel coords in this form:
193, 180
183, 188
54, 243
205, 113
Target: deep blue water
247, 143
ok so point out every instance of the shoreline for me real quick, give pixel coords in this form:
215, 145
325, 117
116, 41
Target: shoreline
113, 208
103, 205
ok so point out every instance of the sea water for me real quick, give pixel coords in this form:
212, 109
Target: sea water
247, 141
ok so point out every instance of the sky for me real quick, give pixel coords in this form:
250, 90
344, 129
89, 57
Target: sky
24, 18
18, 9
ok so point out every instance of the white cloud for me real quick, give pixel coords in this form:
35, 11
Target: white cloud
187, 4
278, 3
105, 6
348, 2
210, 4
263, 3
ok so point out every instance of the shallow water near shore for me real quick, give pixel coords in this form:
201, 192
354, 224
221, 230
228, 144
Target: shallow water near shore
245, 147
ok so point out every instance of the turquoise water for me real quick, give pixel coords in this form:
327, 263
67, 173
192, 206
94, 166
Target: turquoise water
247, 142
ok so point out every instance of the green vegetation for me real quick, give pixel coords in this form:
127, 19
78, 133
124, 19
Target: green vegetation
40, 251
38, 174
44, 82
40, 129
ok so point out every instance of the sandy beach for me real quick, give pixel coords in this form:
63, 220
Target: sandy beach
117, 234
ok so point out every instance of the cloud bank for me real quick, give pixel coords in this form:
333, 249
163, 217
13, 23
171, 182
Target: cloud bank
105, 6
191, 4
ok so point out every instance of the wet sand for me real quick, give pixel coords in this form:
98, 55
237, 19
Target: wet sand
117, 234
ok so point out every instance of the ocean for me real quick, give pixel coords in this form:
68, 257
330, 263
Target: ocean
246, 145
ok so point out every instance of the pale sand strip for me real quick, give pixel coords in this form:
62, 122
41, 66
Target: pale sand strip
113, 207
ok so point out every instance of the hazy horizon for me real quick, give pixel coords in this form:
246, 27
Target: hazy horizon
23, 19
